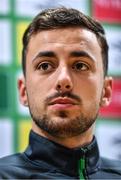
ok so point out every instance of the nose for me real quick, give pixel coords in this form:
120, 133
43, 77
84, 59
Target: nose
64, 81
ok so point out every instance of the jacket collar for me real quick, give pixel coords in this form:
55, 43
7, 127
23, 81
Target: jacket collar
49, 154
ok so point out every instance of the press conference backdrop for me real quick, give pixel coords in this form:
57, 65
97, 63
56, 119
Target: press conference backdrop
15, 121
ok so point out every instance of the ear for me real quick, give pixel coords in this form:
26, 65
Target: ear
107, 92
22, 91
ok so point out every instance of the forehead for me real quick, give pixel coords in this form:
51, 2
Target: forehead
65, 38
74, 35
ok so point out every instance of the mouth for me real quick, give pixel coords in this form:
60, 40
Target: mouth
62, 103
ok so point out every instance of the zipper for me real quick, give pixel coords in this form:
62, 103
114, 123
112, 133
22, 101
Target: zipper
81, 168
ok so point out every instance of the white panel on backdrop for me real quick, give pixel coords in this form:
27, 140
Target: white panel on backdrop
114, 39
109, 139
32, 7
6, 137
4, 6
5, 42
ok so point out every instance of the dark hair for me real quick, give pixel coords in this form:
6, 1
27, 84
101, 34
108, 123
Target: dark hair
61, 18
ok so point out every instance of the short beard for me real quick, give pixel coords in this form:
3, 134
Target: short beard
66, 129
62, 126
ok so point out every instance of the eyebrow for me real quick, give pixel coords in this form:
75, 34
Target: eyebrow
81, 54
44, 54
72, 54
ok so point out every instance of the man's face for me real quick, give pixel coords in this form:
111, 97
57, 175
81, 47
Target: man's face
64, 84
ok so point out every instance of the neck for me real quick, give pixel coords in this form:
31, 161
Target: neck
71, 142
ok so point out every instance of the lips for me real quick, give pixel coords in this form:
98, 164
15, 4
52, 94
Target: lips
63, 101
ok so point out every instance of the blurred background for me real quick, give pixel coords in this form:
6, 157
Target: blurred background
15, 122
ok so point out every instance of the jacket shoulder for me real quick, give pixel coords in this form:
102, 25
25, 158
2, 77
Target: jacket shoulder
13, 161
111, 165
13, 166
10, 160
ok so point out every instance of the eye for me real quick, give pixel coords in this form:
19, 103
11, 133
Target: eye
80, 66
45, 67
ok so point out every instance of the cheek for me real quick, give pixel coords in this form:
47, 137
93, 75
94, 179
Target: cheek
89, 89
38, 88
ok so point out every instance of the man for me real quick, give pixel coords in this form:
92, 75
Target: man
65, 83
